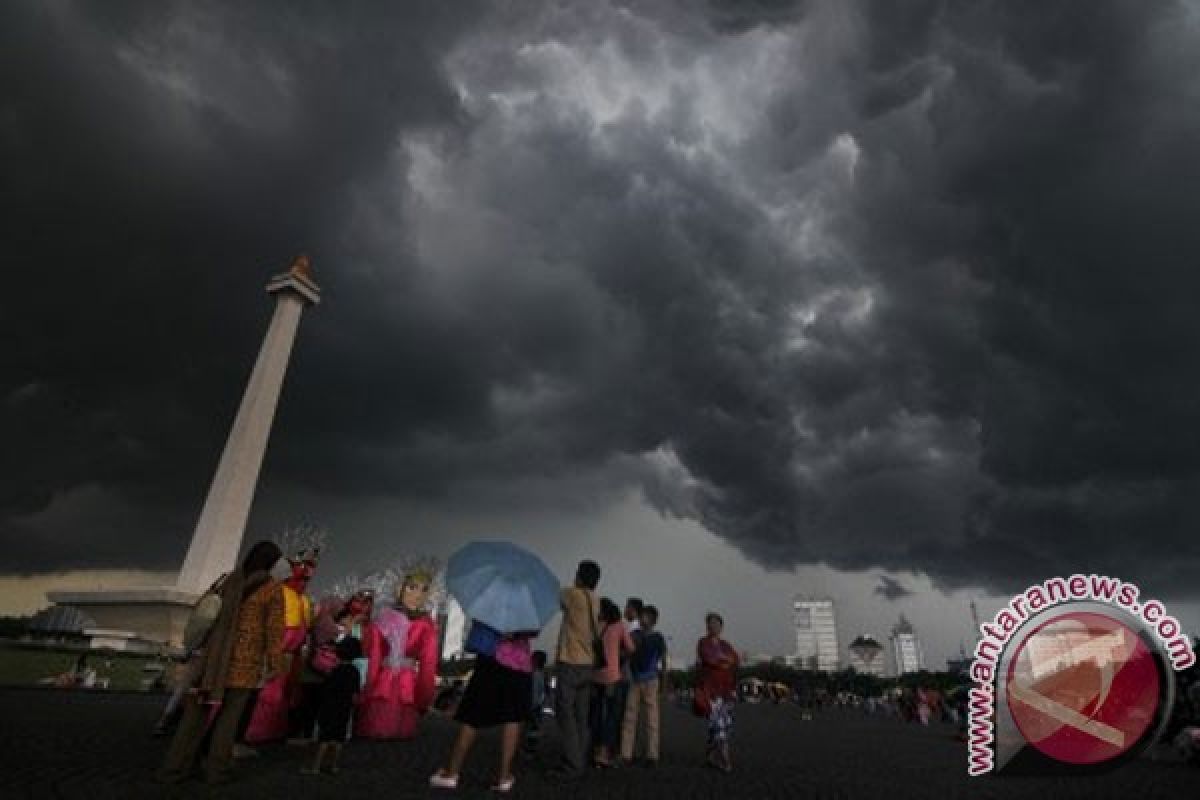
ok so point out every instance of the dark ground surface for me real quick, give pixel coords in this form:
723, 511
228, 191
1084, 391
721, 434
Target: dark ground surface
94, 746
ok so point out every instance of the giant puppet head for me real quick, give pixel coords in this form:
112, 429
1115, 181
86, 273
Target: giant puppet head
412, 591
418, 586
302, 547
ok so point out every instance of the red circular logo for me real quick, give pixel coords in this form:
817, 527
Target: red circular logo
1083, 688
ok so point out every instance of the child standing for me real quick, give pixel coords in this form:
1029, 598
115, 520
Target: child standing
337, 701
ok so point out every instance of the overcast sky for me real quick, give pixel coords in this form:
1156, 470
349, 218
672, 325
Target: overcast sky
891, 301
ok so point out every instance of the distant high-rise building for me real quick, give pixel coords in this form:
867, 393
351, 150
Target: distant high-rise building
816, 634
906, 648
866, 656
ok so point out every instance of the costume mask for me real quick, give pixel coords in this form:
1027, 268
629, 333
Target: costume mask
362, 601
414, 592
302, 570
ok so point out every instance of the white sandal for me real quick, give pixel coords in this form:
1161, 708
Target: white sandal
505, 786
438, 780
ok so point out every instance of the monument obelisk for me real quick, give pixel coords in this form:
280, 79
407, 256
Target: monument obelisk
218, 536
158, 615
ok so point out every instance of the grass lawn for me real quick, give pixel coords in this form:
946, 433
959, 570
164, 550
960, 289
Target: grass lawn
22, 666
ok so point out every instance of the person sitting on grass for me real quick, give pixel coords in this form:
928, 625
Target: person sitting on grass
338, 693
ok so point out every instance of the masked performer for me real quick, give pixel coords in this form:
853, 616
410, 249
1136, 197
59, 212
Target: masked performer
277, 698
402, 662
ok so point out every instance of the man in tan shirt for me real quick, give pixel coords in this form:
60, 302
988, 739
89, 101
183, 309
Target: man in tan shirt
575, 665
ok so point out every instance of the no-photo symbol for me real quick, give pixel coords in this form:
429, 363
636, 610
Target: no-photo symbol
1083, 688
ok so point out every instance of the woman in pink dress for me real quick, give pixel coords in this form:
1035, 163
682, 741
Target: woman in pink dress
402, 657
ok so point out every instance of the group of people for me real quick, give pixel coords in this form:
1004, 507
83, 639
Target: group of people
264, 663
609, 670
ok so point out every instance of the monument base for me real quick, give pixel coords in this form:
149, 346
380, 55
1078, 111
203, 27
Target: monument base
156, 615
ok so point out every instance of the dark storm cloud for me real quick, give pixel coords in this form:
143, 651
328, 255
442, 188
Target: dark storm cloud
161, 159
870, 285
891, 589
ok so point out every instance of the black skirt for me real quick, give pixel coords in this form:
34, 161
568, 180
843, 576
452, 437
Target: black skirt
495, 695
337, 703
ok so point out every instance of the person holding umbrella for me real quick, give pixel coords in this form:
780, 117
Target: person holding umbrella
509, 594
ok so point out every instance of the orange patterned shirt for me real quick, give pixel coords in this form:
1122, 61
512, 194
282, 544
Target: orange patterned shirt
258, 638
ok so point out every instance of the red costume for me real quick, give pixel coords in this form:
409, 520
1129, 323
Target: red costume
402, 661
276, 699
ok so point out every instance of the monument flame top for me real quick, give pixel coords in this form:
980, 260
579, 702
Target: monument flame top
302, 266
297, 280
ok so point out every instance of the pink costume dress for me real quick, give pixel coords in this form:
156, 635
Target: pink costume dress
402, 655
278, 696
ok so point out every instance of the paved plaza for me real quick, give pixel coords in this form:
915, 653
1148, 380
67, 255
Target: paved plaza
95, 746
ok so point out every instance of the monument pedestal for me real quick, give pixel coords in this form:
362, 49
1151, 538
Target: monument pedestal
158, 615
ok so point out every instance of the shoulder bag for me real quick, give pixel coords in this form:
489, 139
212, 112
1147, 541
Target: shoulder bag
599, 659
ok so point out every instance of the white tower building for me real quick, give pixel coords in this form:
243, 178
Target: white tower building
218, 535
816, 634
906, 648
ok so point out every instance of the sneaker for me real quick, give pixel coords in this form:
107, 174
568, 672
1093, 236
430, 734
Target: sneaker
440, 780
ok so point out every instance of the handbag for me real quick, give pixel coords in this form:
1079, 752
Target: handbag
599, 658
324, 659
481, 640
701, 702
200, 622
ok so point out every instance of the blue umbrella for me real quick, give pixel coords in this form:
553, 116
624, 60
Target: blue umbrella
503, 586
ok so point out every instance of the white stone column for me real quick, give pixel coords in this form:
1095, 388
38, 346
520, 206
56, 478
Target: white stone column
218, 536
